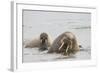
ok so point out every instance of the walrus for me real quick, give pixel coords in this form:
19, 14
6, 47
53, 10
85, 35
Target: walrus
42, 42
66, 44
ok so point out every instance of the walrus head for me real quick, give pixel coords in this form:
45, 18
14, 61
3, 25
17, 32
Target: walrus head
43, 41
66, 46
43, 38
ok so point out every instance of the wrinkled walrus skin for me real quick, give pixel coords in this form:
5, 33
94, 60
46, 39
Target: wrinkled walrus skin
70, 43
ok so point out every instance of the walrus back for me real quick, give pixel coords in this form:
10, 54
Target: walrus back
55, 45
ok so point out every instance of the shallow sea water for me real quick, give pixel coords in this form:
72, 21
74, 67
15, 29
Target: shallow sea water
55, 23
34, 55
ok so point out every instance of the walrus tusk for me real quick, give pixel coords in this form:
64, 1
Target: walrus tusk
61, 45
67, 48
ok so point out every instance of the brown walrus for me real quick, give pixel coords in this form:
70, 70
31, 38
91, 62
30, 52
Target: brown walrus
42, 42
65, 43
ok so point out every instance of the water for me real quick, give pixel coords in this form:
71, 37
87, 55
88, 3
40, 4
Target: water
55, 23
